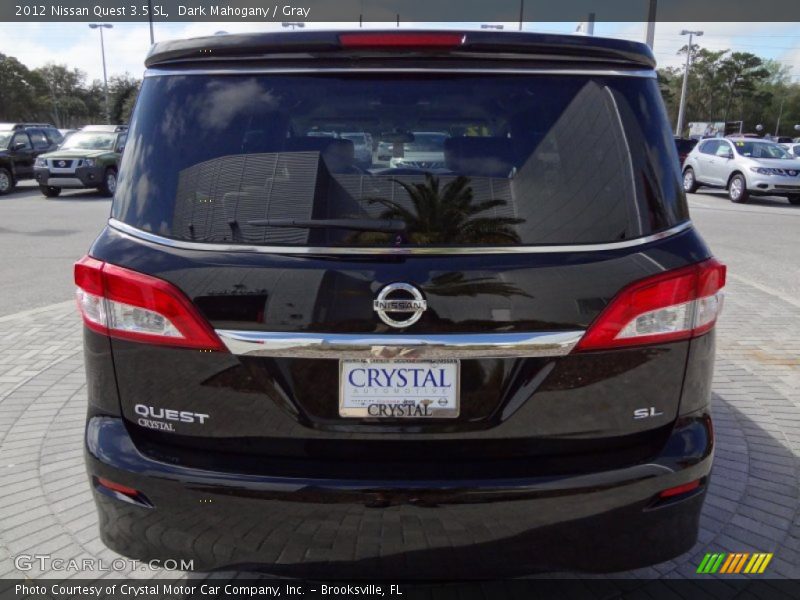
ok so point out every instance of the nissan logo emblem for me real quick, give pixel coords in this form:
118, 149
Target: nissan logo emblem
399, 302
62, 163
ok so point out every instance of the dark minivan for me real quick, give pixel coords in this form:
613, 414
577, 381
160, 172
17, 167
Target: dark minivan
495, 364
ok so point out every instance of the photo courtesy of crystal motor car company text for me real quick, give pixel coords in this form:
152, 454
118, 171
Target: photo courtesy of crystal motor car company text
398, 301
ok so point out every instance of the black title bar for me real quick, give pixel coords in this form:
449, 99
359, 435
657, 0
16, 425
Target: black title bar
404, 11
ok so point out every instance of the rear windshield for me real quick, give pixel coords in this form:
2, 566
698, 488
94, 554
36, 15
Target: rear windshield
475, 160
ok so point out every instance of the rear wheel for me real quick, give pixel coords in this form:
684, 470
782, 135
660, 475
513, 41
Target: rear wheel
689, 181
6, 181
737, 189
794, 200
50, 191
109, 183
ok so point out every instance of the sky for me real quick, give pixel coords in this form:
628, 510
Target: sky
74, 44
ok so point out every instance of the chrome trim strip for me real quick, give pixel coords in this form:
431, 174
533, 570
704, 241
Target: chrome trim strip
157, 72
440, 346
391, 251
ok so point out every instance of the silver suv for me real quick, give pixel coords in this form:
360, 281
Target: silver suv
744, 167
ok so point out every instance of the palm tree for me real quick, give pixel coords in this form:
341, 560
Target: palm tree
444, 216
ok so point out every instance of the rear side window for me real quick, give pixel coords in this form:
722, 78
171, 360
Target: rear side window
23, 139
39, 139
709, 147
472, 160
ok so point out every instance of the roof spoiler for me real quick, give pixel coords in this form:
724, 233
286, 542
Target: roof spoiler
391, 43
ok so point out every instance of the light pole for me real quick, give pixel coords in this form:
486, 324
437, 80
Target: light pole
150, 19
682, 107
102, 26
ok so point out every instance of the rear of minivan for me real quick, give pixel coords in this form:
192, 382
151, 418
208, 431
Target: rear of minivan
491, 365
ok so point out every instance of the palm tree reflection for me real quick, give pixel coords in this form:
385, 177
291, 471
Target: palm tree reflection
442, 215
453, 283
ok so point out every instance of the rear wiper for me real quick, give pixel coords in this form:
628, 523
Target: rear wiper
388, 225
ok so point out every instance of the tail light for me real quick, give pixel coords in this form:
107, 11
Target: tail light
675, 305
132, 306
401, 40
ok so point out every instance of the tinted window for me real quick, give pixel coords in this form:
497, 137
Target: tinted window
39, 139
709, 147
513, 160
54, 135
22, 138
724, 149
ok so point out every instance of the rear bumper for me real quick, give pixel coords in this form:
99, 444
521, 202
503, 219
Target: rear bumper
448, 528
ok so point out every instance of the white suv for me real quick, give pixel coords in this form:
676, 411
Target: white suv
744, 167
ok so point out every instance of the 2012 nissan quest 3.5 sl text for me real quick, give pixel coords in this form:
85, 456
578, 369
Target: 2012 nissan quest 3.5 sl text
489, 360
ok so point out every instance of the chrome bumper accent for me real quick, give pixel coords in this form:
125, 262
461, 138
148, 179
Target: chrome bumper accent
350, 345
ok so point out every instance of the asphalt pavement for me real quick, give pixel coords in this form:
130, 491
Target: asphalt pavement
40, 238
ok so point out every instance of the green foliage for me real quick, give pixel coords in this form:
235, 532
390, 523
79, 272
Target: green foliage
60, 95
733, 86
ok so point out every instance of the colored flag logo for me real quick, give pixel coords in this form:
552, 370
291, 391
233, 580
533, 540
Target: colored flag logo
734, 562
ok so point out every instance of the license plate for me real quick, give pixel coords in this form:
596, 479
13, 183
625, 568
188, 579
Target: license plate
399, 389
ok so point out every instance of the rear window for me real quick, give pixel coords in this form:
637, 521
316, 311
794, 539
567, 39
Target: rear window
475, 160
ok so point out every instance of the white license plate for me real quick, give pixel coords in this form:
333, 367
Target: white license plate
399, 389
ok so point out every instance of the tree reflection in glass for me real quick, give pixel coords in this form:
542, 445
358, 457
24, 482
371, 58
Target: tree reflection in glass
442, 216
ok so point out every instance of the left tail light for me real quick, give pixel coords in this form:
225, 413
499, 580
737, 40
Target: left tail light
133, 306
670, 306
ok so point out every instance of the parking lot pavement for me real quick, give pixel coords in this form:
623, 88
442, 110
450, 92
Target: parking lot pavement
40, 238
752, 505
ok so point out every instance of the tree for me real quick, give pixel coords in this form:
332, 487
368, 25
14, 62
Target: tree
741, 72
17, 92
122, 91
728, 86
62, 95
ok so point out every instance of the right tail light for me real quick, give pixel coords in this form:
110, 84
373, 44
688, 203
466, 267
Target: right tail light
674, 305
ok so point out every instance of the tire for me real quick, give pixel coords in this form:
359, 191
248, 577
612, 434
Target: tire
50, 191
794, 200
737, 189
7, 182
689, 182
109, 183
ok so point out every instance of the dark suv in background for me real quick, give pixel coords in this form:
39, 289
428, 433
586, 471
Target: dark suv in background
495, 367
20, 144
